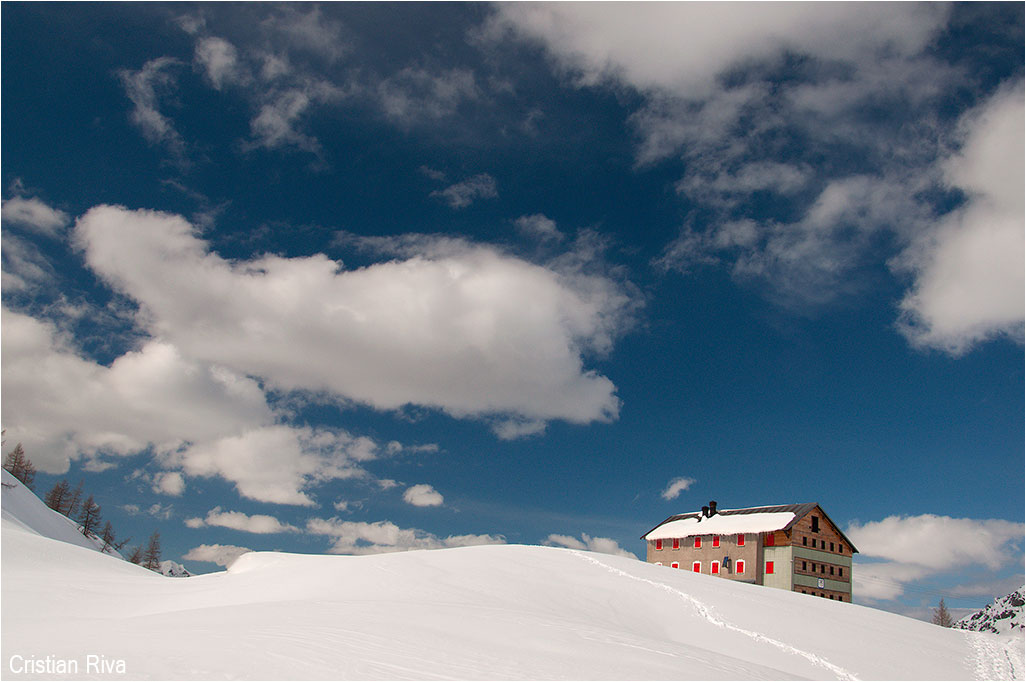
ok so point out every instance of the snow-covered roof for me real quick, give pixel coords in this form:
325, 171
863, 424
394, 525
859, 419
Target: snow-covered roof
723, 523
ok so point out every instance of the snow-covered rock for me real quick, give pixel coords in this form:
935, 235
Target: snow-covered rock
1003, 616
173, 569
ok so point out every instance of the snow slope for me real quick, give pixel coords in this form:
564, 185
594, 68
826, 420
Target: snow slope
1004, 615
494, 612
21, 507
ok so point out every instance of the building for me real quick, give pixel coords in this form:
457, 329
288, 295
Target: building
791, 547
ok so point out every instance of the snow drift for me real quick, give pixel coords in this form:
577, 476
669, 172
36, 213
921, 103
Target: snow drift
490, 612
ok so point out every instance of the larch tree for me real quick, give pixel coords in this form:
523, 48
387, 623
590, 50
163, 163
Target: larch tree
151, 558
57, 498
941, 615
136, 557
73, 501
20, 466
89, 517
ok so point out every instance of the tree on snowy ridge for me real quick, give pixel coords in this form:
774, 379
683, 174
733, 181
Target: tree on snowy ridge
21, 467
89, 518
57, 497
941, 615
151, 558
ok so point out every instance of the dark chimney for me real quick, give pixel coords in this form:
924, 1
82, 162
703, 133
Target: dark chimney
712, 508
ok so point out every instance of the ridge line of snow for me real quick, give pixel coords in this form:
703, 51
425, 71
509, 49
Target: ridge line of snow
707, 613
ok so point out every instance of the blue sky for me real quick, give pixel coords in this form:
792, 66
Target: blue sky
366, 277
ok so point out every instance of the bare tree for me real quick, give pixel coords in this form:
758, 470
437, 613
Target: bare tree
151, 558
136, 557
20, 466
89, 518
74, 499
941, 615
57, 498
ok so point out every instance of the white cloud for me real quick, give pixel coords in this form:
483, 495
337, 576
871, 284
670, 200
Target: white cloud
538, 226
676, 486
219, 60
257, 523
590, 544
143, 88
169, 483
423, 495
308, 32
222, 555
969, 273
683, 47
458, 327
413, 95
358, 537
161, 511
463, 194
910, 548
34, 213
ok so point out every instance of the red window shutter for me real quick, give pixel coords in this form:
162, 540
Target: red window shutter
659, 544
740, 539
715, 567
769, 540
716, 541
674, 565
697, 567
676, 543
698, 542
769, 567
739, 565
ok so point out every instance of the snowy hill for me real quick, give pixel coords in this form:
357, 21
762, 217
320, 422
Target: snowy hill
495, 612
22, 508
173, 569
1004, 616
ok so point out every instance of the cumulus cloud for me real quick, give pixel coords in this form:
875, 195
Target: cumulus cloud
683, 48
222, 555
969, 272
459, 327
169, 483
34, 214
675, 487
909, 548
463, 194
423, 495
588, 543
358, 537
256, 523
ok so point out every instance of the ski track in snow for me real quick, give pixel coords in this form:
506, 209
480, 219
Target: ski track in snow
706, 612
991, 658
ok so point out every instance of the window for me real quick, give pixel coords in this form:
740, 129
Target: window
840, 572
770, 540
675, 565
676, 543
815, 524
697, 567
805, 541
659, 544
769, 567
822, 544
715, 568
739, 566
716, 541
803, 566
822, 568
740, 539
831, 546
831, 570
698, 542
659, 563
